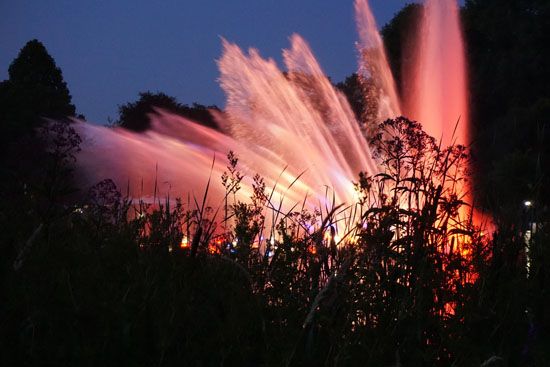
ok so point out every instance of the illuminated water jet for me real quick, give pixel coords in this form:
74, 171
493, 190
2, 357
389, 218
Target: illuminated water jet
289, 125
271, 121
439, 97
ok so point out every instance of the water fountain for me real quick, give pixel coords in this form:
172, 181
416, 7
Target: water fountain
438, 97
289, 125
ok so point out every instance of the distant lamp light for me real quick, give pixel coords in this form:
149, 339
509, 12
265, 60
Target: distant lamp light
528, 203
184, 244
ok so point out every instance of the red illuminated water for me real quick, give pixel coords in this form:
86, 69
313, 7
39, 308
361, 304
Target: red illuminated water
292, 125
281, 126
439, 98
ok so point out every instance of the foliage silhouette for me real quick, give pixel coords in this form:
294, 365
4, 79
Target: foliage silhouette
135, 115
110, 281
35, 89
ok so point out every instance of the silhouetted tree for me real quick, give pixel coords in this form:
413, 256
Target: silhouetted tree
510, 78
35, 156
135, 115
398, 40
352, 89
509, 60
35, 89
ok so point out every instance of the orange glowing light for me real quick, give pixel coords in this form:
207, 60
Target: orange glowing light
184, 244
215, 245
213, 248
450, 308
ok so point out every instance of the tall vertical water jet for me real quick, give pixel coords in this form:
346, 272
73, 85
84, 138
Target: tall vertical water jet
438, 95
437, 81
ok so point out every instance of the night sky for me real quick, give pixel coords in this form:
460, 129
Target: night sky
111, 50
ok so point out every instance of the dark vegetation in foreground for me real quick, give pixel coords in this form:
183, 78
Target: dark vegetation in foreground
104, 281
88, 278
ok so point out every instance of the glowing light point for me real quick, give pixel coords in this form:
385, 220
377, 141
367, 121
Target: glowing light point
184, 244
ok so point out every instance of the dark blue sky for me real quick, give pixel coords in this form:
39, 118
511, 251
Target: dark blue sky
110, 50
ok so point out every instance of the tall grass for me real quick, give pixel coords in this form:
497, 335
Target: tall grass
401, 277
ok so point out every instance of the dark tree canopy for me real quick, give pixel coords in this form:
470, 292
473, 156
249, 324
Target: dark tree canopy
351, 87
30, 150
135, 115
398, 40
35, 89
509, 59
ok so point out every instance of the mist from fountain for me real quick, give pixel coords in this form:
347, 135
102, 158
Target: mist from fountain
289, 125
282, 126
